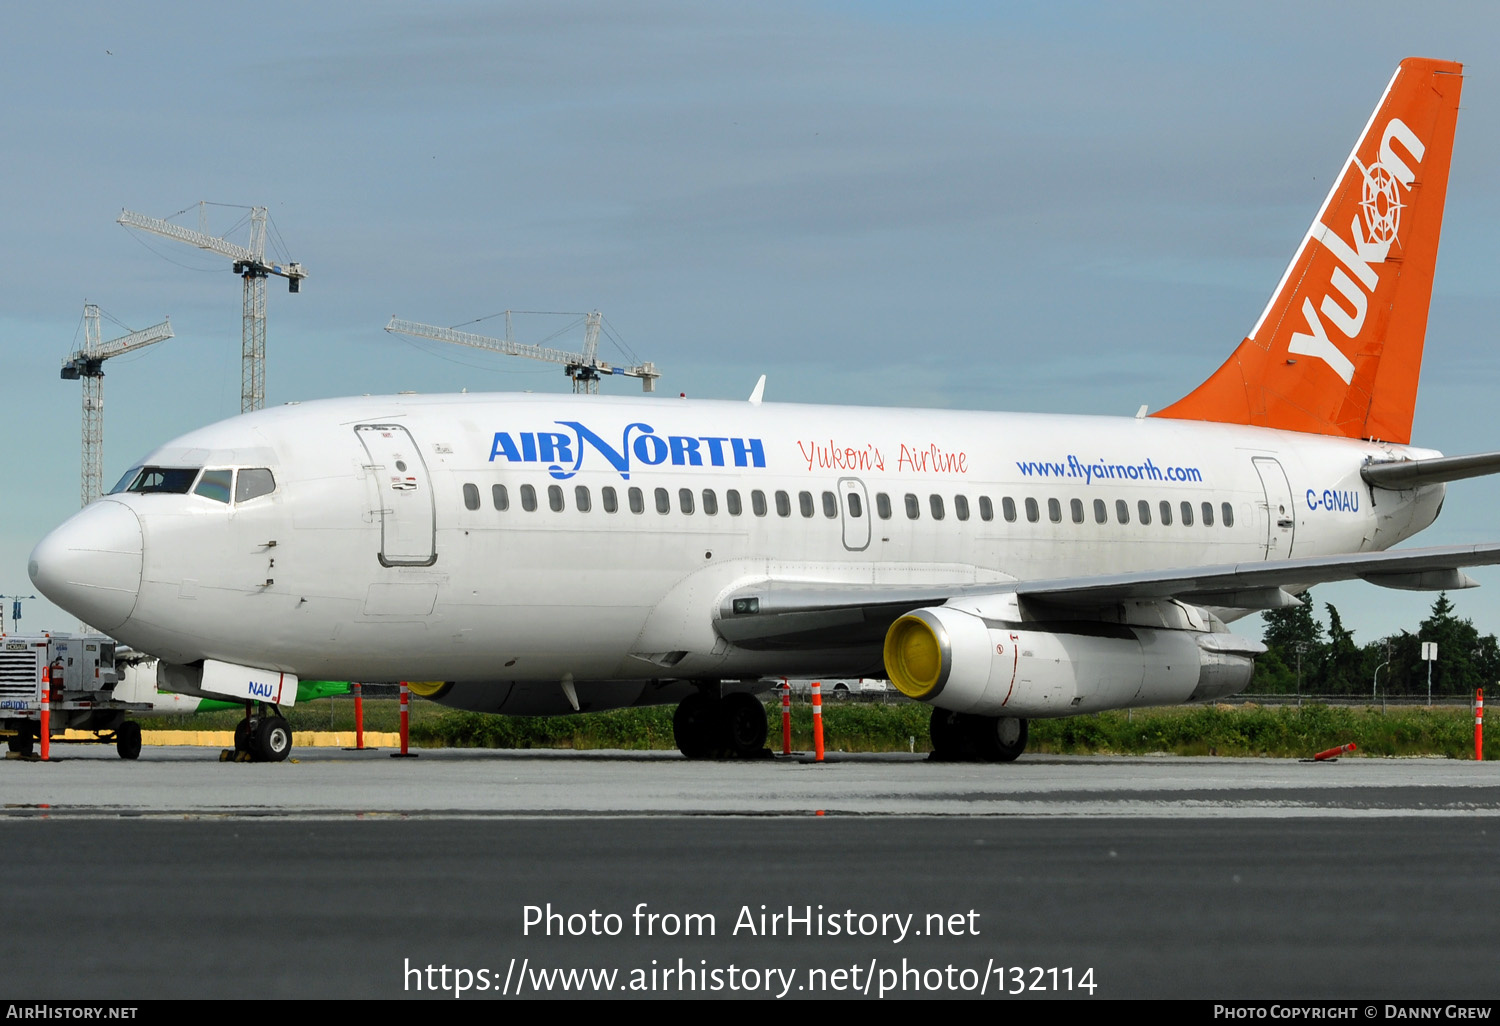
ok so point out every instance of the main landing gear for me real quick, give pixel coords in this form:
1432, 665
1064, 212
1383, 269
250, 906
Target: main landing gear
969, 737
263, 735
709, 727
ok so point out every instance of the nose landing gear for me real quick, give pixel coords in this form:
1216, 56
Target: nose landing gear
262, 736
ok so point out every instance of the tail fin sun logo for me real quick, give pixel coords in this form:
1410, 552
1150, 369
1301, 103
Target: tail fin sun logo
1381, 204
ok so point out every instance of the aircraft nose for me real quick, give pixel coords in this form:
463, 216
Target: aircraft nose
91, 565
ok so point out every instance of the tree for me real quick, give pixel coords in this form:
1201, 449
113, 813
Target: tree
1341, 663
1294, 637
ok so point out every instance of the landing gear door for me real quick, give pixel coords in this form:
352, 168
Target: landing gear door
402, 491
855, 505
1281, 514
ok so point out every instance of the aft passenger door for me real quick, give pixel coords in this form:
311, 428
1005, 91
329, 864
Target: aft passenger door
402, 495
1281, 514
856, 513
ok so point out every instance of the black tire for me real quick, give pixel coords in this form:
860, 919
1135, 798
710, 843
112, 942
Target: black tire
745, 724
23, 743
947, 734
841, 693
998, 738
272, 739
128, 740
242, 732
698, 726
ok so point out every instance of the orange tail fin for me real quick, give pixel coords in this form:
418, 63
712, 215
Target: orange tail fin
1338, 349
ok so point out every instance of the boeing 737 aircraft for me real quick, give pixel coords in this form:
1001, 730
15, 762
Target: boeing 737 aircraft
536, 554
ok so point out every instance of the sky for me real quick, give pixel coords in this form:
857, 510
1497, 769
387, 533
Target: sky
1068, 207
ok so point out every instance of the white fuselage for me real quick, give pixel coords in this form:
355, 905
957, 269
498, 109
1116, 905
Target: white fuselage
381, 553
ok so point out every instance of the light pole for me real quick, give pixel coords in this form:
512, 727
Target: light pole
15, 610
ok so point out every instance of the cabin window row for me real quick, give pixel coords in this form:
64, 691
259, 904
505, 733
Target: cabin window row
826, 503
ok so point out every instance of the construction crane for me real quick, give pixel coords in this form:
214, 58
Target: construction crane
88, 364
250, 264
583, 368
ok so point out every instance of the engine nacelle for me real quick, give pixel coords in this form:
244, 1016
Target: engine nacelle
961, 661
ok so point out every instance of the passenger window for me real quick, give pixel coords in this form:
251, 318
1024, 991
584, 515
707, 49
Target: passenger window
637, 500
913, 507
500, 497
1143, 510
609, 500
1008, 509
1054, 511
1033, 511
1187, 514
783, 504
214, 484
1228, 512
936, 502
252, 484
805, 501
1166, 513
986, 508
528, 498
882, 505
554, 498
471, 496
1208, 514
758, 502
732, 502
1076, 505
961, 507
1101, 512
581, 500
856, 508
1122, 511
830, 505
710, 503
663, 501
684, 500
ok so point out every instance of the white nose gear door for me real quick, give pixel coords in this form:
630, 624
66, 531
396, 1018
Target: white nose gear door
402, 495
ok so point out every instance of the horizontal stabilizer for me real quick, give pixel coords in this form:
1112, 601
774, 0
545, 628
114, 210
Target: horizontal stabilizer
1414, 473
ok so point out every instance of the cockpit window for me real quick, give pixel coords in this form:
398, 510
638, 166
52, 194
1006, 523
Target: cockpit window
175, 480
253, 483
214, 484
124, 482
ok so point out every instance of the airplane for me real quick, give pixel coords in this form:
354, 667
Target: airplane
531, 554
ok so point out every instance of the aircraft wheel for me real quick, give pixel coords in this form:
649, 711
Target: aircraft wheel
272, 740
128, 739
242, 731
22, 743
744, 724
998, 738
698, 726
946, 733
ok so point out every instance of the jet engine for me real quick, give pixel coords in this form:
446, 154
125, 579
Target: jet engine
963, 661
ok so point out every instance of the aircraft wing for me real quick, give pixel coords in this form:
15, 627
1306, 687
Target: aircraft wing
796, 614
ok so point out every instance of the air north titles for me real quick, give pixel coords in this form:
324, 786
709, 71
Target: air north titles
563, 451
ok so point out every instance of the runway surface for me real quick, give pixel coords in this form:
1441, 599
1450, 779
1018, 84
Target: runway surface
349, 874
